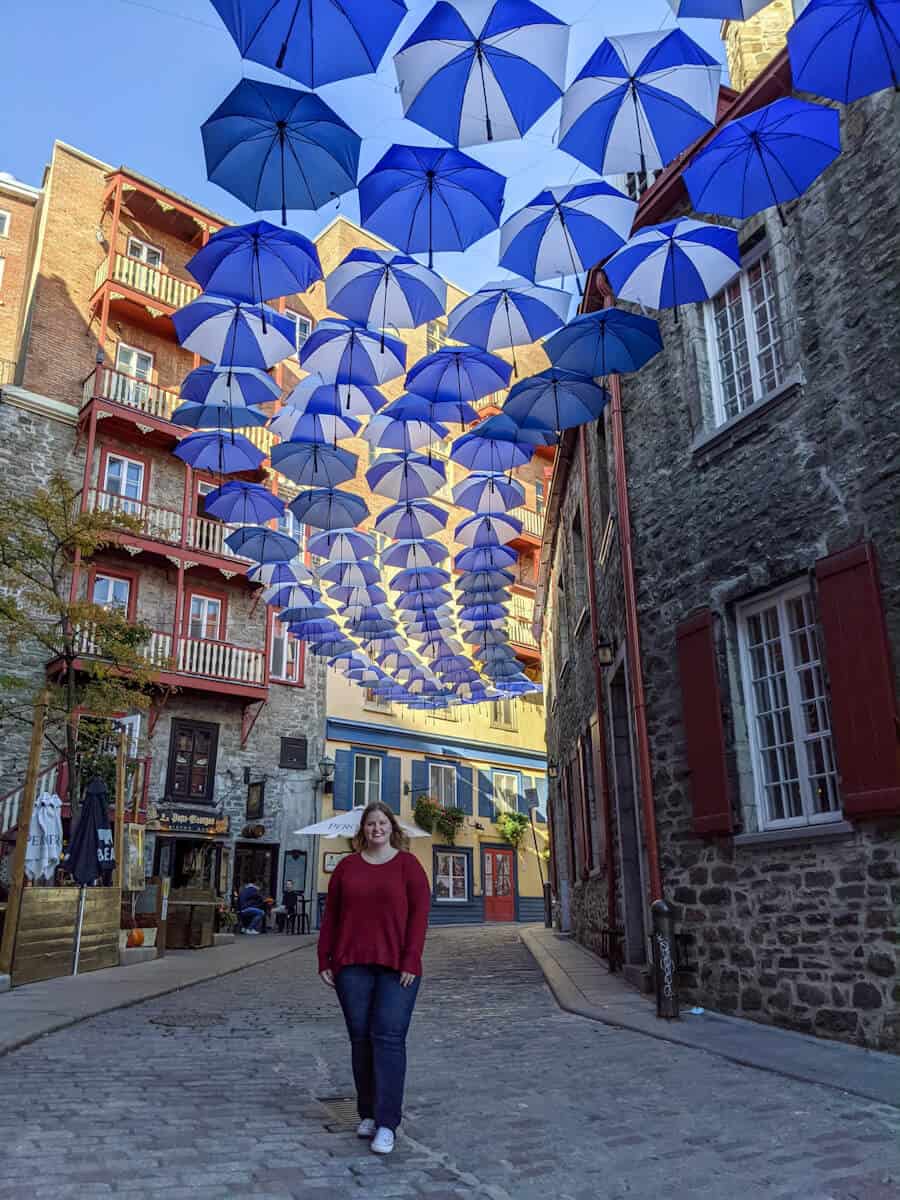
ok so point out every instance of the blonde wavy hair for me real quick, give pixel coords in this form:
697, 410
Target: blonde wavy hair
399, 840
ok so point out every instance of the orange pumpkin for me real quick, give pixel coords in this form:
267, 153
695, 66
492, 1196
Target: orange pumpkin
135, 938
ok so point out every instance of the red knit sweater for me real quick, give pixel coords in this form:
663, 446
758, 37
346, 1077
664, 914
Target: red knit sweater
376, 914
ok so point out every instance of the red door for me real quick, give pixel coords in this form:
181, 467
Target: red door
499, 896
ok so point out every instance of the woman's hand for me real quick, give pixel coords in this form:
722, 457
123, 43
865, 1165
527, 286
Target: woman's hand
327, 976
406, 978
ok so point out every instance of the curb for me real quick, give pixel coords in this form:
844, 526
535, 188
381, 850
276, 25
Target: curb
566, 995
168, 990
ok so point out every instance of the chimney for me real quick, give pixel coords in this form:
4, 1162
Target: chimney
751, 45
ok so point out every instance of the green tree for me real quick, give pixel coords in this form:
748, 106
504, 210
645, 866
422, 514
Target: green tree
42, 535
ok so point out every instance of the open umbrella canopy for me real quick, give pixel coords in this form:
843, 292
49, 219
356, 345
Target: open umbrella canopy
301, 613
424, 198
296, 426
350, 573
241, 503
423, 601
330, 647
348, 399
640, 100
282, 574
419, 579
846, 49
386, 432
313, 41
485, 558
290, 596
764, 159
314, 465
480, 452
256, 262
221, 452
352, 597
477, 581
411, 519
607, 342
382, 288
459, 374
217, 416
329, 508
560, 399
679, 262
261, 544
505, 314
565, 230
419, 410
209, 384
718, 10
233, 334
426, 552
494, 493
503, 427
405, 476
473, 72
344, 352
486, 530
278, 148
342, 544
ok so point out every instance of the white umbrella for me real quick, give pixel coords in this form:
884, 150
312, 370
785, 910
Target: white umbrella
45, 837
346, 825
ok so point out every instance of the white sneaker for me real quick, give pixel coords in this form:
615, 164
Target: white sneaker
383, 1141
252, 932
366, 1128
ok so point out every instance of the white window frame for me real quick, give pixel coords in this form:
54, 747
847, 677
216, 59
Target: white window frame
5, 222
498, 719
435, 335
130, 386
779, 600
284, 654
2, 269
300, 334
436, 789
137, 249
291, 527
208, 600
748, 261
369, 779
112, 580
119, 501
501, 804
447, 856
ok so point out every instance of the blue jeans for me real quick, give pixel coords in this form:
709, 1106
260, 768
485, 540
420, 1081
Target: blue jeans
252, 918
378, 1011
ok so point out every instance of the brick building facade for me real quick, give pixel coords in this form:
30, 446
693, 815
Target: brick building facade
720, 685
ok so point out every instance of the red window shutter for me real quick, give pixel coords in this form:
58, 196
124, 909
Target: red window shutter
863, 701
703, 731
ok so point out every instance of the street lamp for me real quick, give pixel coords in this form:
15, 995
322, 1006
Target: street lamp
326, 770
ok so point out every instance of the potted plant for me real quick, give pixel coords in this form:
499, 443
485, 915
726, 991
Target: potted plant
512, 827
435, 819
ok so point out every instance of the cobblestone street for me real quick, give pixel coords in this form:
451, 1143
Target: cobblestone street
217, 1091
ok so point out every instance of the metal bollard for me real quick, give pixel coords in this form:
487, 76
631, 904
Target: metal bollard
548, 906
664, 951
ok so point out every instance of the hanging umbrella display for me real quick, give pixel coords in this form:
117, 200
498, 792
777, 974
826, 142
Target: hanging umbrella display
316, 630
350, 573
457, 375
329, 508
507, 314
608, 342
261, 544
470, 582
640, 100
256, 262
566, 230
349, 400
281, 574
91, 854
330, 647
277, 148
504, 428
217, 416
240, 503
412, 519
221, 452
486, 530
485, 558
313, 41
474, 72
405, 476
424, 199
301, 613
420, 410
488, 493
209, 384
846, 49
764, 159
424, 601
342, 543
346, 353
563, 399
351, 597
295, 426
313, 465
289, 596
386, 432
419, 579
410, 553
678, 262
382, 288
233, 334
480, 452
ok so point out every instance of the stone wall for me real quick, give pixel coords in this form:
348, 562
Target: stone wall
751, 45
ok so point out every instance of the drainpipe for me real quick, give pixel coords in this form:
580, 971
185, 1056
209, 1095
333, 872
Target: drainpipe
601, 760
633, 642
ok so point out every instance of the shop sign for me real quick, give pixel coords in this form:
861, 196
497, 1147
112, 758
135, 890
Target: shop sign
253, 831
178, 820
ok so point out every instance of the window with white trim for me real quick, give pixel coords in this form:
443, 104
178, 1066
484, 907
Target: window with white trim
2, 269
787, 708
442, 784
503, 714
451, 877
123, 484
134, 371
435, 335
302, 327
110, 591
366, 779
292, 528
745, 337
285, 654
144, 252
5, 219
205, 618
506, 792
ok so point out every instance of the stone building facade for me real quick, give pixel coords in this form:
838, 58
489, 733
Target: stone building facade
744, 764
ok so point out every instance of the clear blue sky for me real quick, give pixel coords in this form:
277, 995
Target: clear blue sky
131, 81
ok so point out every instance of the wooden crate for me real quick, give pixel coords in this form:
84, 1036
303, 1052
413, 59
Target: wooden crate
46, 939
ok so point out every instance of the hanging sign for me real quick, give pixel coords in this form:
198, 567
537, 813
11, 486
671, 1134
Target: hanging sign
177, 820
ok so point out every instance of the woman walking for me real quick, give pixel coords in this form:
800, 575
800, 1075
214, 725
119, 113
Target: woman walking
370, 950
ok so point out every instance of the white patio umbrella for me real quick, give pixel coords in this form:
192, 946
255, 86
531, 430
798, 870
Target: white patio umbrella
346, 825
45, 837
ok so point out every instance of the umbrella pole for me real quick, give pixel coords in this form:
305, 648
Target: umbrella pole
637, 122
509, 326
430, 176
384, 284
79, 924
262, 307
487, 116
754, 138
281, 128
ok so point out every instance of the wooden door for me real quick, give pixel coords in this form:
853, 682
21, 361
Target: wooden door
499, 890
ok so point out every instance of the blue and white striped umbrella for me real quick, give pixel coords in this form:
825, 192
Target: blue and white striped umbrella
283, 595
385, 432
305, 612
480, 452
314, 465
261, 544
475, 614
405, 476
566, 230
479, 72
217, 416
383, 287
419, 410
678, 262
411, 553
416, 579
424, 601
640, 100
341, 544
232, 334
350, 400
349, 573
485, 558
457, 374
329, 647
355, 596
344, 352
209, 384
413, 519
240, 503
486, 530
329, 508
488, 493
506, 314
284, 574
295, 426
225, 453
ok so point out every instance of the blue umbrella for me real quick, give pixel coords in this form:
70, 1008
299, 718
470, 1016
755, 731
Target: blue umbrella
482, 612
313, 465
312, 395
764, 159
209, 384
678, 262
324, 627
261, 544
405, 476
419, 579
480, 452
329, 508
485, 558
486, 530
412, 553
503, 427
386, 432
351, 573
608, 342
418, 411
845, 49
342, 543
349, 595
488, 493
562, 399
330, 647
223, 453
640, 100
381, 288
256, 262
240, 503
458, 375
274, 147
313, 41
281, 574
422, 198
305, 612
718, 10
343, 352
565, 230
371, 626
217, 416
289, 596
412, 519
296, 426
232, 334
482, 73
507, 314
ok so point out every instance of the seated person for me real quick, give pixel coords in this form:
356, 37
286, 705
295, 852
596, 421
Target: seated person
251, 911
289, 898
